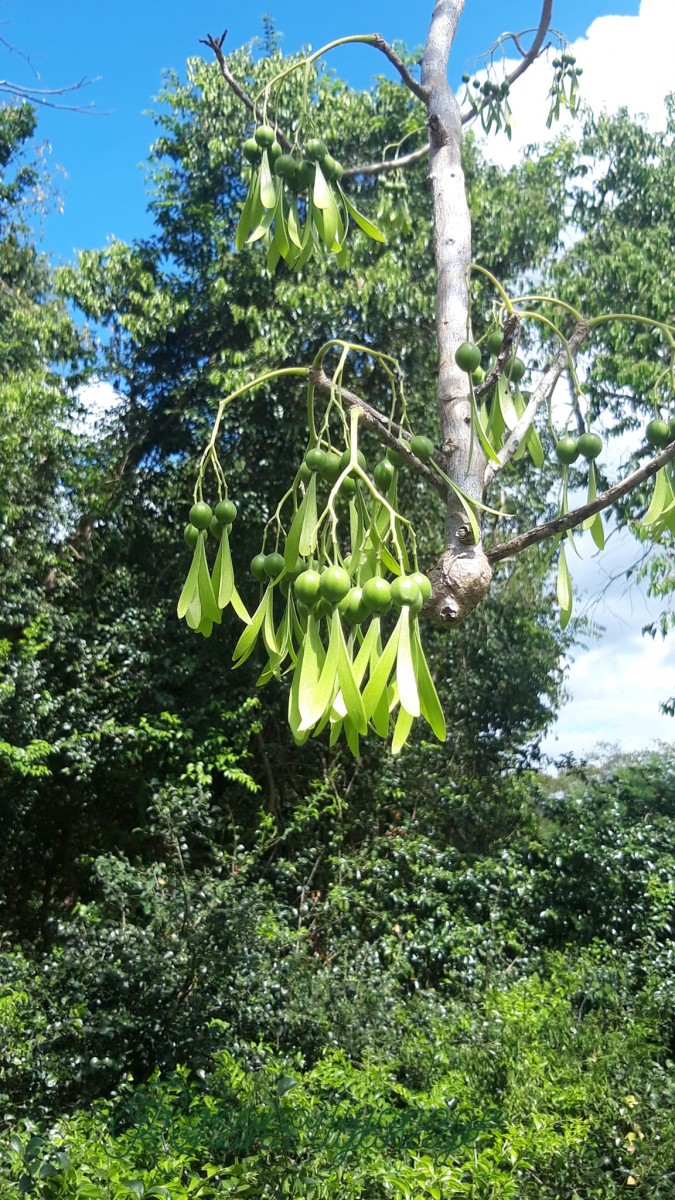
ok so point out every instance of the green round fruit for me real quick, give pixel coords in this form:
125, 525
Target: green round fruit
201, 514
345, 460
334, 584
285, 166
467, 357
274, 564
315, 458
264, 135
226, 512
216, 529
515, 369
422, 446
331, 468
258, 567
383, 474
275, 152
404, 590
567, 450
331, 168
396, 458
478, 376
305, 174
307, 586
657, 433
251, 149
590, 445
494, 342
377, 595
353, 607
348, 486
671, 430
316, 149
191, 535
304, 472
424, 584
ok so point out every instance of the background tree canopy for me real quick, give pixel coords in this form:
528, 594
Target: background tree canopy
199, 916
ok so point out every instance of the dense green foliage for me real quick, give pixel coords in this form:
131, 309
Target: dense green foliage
222, 957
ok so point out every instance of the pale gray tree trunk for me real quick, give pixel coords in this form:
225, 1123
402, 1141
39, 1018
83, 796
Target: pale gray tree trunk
462, 575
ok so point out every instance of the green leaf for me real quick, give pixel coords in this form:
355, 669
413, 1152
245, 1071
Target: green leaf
314, 700
223, 573
598, 531
250, 213
401, 731
322, 193
348, 686
564, 589
239, 606
506, 405
293, 224
429, 702
362, 222
207, 599
308, 533
592, 493
406, 681
191, 585
661, 497
249, 637
268, 183
486, 445
379, 677
534, 447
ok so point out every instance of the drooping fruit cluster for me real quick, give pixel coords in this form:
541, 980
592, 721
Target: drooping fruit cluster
295, 202
326, 601
340, 591
206, 593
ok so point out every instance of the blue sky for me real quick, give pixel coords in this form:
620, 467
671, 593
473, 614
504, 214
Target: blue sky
128, 45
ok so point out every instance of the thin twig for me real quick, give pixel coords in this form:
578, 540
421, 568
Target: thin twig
216, 44
393, 436
529, 57
560, 524
418, 89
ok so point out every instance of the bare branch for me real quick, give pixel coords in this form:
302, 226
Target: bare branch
45, 96
216, 44
389, 164
395, 437
528, 58
560, 524
411, 83
542, 390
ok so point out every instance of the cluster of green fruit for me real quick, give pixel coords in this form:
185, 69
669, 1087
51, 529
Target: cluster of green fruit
206, 593
338, 609
497, 414
278, 183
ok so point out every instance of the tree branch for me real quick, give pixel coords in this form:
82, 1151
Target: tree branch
543, 389
45, 96
389, 164
560, 524
216, 44
392, 436
418, 89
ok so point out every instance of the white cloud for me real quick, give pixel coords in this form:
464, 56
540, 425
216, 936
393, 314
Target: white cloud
627, 62
616, 683
96, 401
